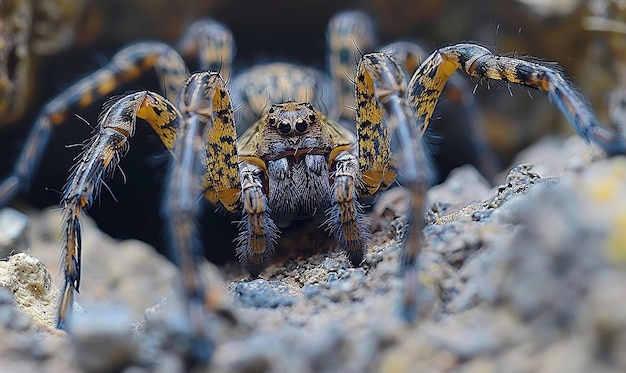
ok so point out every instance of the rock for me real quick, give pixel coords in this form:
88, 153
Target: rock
10, 317
103, 339
26, 346
33, 289
529, 276
127, 272
13, 232
264, 294
552, 256
464, 184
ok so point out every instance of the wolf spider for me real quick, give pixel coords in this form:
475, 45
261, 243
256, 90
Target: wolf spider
293, 162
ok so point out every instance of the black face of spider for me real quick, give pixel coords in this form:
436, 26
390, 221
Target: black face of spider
291, 119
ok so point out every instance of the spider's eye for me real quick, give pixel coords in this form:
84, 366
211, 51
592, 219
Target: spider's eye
284, 127
271, 110
301, 125
272, 120
312, 117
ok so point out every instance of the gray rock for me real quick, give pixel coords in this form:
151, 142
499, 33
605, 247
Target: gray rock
13, 232
103, 339
263, 294
529, 278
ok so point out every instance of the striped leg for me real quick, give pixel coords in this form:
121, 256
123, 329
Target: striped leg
201, 101
213, 43
385, 121
257, 231
460, 98
346, 220
126, 66
97, 163
349, 34
478, 62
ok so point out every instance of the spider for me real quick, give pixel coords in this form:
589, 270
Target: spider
295, 161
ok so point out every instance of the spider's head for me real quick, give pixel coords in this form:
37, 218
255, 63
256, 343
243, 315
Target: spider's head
292, 128
291, 118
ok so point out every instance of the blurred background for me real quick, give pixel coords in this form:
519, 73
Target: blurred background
587, 38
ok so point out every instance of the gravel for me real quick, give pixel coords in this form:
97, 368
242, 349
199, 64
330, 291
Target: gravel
528, 276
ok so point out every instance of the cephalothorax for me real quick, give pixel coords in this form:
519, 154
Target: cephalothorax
295, 161
294, 143
293, 152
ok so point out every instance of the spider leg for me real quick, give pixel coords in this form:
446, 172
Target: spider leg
221, 180
213, 43
202, 100
375, 84
257, 231
97, 162
385, 120
406, 53
126, 66
478, 62
238, 185
346, 220
349, 34
458, 93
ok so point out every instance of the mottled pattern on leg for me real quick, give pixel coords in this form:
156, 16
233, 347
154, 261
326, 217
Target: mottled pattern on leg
257, 231
346, 221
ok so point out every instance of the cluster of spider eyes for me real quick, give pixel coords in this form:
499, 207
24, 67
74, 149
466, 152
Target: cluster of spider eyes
285, 126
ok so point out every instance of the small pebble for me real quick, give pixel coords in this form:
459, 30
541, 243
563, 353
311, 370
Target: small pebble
264, 294
13, 232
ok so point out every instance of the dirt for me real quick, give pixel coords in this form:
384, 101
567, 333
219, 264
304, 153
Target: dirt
527, 276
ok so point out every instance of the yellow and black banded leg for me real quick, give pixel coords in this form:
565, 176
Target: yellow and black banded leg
384, 119
222, 183
184, 134
349, 34
126, 66
213, 43
97, 162
238, 186
257, 231
375, 159
346, 220
207, 113
458, 93
478, 62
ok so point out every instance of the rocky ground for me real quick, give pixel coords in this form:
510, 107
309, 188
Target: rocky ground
528, 276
